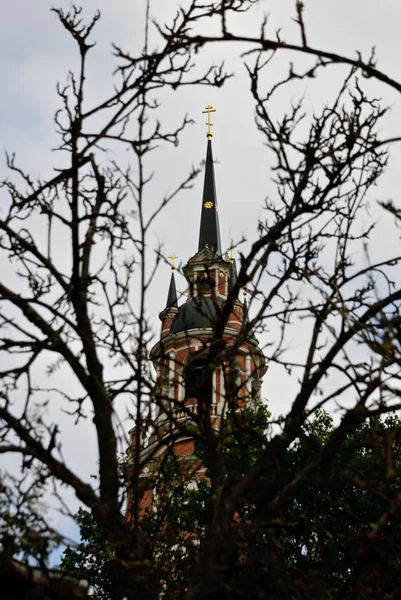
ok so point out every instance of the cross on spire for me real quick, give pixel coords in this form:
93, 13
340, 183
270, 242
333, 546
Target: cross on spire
209, 109
172, 257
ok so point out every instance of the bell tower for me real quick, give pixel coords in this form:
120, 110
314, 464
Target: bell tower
207, 357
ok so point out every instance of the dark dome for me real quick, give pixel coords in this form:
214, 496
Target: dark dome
196, 313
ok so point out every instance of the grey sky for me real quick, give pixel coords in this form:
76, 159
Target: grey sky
35, 53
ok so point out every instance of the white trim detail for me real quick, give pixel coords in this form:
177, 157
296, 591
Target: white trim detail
171, 371
181, 387
214, 383
222, 399
248, 382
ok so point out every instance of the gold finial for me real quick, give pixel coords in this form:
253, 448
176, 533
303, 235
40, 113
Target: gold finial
231, 250
172, 257
209, 109
245, 292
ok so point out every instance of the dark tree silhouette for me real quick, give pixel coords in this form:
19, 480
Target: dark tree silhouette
83, 313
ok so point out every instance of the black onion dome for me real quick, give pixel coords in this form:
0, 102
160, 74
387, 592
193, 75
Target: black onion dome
196, 313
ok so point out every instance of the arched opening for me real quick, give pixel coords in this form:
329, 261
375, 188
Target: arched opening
198, 380
205, 284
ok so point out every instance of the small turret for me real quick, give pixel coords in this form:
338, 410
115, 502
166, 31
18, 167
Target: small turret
232, 278
167, 315
172, 293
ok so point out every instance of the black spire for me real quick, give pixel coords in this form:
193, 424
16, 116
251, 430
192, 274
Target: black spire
209, 234
172, 293
232, 276
245, 318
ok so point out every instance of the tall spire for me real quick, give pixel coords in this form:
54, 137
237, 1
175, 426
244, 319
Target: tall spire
209, 234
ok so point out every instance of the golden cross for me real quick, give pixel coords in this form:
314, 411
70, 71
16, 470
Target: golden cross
209, 109
231, 250
172, 257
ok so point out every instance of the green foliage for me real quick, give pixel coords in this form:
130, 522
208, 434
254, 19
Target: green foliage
173, 531
92, 558
320, 540
317, 542
338, 508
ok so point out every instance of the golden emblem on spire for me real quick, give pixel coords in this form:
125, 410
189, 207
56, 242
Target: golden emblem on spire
231, 251
172, 257
209, 109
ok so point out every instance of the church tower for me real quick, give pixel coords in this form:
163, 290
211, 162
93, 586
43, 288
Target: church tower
207, 358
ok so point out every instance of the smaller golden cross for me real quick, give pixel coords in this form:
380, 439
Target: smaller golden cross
209, 109
172, 257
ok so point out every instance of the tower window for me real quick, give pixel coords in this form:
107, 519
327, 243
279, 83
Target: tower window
198, 381
205, 284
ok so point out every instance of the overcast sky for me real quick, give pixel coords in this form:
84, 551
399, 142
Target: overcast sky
36, 53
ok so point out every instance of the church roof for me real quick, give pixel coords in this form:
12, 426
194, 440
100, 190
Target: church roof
196, 313
209, 234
